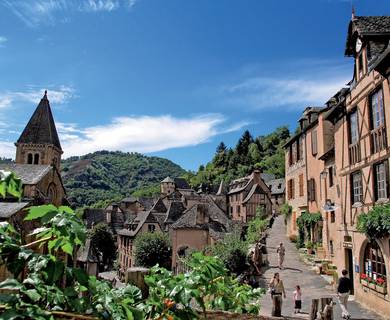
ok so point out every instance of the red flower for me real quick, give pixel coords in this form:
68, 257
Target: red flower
380, 282
363, 276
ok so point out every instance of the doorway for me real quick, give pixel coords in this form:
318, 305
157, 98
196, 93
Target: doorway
349, 266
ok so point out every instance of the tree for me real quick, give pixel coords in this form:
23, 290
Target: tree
103, 241
152, 248
254, 153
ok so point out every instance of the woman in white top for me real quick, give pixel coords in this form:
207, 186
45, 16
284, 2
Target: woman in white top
297, 299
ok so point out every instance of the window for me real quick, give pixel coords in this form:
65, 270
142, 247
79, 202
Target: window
353, 128
231, 210
290, 189
36, 158
290, 161
311, 186
356, 187
314, 142
151, 227
331, 247
361, 66
332, 217
29, 158
238, 209
300, 141
330, 173
381, 180
301, 185
298, 144
377, 111
374, 263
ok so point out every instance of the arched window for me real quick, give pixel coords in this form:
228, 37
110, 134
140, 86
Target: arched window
30, 158
374, 262
36, 158
51, 193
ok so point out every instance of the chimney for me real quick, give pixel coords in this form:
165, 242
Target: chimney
201, 216
353, 13
256, 176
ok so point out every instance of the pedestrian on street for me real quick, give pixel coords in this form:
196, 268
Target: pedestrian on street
297, 299
343, 290
277, 290
281, 251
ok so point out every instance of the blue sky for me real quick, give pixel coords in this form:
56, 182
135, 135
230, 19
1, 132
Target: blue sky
170, 78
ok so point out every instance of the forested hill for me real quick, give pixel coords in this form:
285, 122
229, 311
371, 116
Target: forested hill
107, 175
263, 152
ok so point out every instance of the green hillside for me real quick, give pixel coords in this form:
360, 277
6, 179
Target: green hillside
104, 175
263, 152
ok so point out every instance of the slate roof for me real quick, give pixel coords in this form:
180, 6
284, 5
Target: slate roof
372, 24
88, 253
7, 209
168, 179
175, 211
159, 206
146, 202
267, 176
217, 218
181, 183
41, 128
29, 173
366, 26
277, 186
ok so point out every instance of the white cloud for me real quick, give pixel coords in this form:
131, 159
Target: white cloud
34, 13
7, 149
265, 93
3, 40
143, 134
59, 95
300, 84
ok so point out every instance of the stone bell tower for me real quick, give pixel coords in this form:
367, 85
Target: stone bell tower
39, 142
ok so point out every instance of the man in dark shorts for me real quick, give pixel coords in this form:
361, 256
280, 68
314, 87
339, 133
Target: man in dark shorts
343, 290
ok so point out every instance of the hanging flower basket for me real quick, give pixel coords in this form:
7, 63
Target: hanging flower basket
372, 285
381, 285
364, 282
364, 279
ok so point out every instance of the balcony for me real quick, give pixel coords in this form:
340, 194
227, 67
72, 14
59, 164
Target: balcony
354, 153
378, 139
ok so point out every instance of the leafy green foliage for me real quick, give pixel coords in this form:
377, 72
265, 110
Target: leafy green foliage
10, 185
256, 228
305, 222
286, 210
51, 286
103, 241
265, 153
208, 284
233, 251
376, 223
153, 248
112, 175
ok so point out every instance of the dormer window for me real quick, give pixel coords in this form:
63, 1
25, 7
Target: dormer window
30, 158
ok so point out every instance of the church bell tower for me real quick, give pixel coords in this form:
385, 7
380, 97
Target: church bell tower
39, 143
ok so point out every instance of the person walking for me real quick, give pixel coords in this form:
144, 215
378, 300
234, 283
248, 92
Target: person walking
277, 290
281, 251
343, 289
297, 299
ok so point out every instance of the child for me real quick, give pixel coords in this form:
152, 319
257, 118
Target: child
297, 299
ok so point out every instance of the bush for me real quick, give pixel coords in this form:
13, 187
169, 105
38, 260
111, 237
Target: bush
376, 223
103, 241
286, 210
256, 227
233, 252
152, 248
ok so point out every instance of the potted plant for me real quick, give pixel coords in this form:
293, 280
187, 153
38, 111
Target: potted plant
371, 283
309, 247
364, 279
381, 285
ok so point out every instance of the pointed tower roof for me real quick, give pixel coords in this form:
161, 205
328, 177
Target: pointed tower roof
41, 128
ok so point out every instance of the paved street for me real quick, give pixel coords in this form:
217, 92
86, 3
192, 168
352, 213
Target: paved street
296, 272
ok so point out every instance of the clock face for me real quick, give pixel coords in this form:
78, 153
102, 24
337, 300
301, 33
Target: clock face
358, 45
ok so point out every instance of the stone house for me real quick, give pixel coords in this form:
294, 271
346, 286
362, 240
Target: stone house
200, 226
278, 196
246, 195
347, 171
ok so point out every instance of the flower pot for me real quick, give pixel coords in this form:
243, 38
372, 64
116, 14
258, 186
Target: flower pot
364, 282
372, 285
380, 289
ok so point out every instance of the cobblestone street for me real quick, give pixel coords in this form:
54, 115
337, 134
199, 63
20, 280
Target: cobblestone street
298, 273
